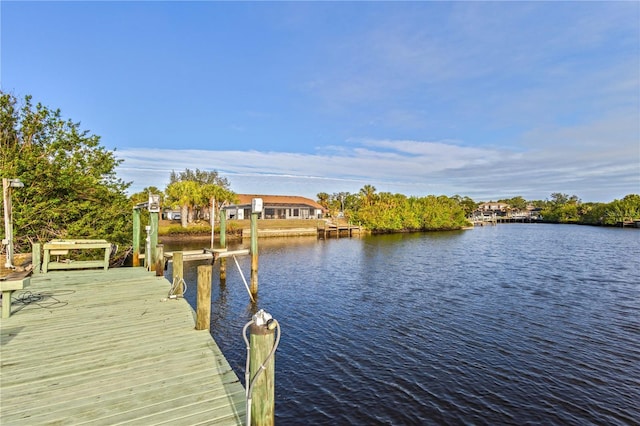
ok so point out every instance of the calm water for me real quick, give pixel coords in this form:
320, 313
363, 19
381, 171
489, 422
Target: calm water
511, 324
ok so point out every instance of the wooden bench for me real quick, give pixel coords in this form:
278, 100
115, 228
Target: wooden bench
62, 247
8, 286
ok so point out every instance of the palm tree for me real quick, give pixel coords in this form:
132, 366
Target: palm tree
186, 195
323, 199
368, 194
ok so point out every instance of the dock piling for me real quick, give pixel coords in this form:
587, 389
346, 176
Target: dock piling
178, 274
153, 235
203, 301
254, 254
261, 375
35, 258
223, 244
136, 237
159, 260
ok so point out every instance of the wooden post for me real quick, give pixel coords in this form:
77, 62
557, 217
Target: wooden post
223, 229
263, 395
147, 248
153, 235
35, 258
203, 301
136, 237
254, 254
223, 244
159, 260
212, 216
8, 222
223, 269
178, 272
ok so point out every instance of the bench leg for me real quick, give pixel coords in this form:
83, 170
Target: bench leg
45, 262
107, 252
6, 303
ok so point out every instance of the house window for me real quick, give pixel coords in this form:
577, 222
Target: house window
296, 212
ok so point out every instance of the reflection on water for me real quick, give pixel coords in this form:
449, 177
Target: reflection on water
511, 324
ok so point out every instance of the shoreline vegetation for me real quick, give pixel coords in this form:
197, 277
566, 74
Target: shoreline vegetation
172, 230
235, 229
67, 186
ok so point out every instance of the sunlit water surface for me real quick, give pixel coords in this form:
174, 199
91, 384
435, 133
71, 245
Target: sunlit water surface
509, 324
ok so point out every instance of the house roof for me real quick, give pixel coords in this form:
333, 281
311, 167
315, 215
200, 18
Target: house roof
245, 199
491, 203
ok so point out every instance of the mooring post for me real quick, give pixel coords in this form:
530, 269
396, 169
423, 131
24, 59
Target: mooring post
262, 341
35, 258
223, 228
136, 237
178, 276
223, 244
153, 235
254, 253
159, 260
203, 301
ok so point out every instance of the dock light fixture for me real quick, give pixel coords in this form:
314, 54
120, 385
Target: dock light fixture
7, 184
154, 203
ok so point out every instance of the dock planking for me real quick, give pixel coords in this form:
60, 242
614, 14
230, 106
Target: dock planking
107, 348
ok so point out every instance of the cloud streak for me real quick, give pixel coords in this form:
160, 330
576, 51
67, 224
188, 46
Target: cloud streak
483, 99
566, 161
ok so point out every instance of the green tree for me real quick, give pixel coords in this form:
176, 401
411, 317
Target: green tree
594, 213
216, 196
619, 211
515, 203
558, 198
71, 188
323, 199
143, 196
368, 195
562, 209
183, 194
395, 212
200, 176
467, 204
195, 191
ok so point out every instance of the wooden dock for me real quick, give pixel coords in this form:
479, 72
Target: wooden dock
107, 347
337, 229
203, 254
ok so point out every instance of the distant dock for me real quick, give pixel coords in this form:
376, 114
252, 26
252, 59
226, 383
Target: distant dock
329, 229
107, 347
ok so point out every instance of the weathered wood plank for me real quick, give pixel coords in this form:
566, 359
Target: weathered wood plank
221, 253
76, 264
111, 349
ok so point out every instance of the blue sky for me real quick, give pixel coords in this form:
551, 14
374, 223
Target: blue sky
483, 99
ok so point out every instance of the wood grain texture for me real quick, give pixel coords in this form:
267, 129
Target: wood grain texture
106, 348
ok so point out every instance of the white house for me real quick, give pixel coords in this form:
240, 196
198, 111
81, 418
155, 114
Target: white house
275, 207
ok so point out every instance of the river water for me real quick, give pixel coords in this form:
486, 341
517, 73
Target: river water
509, 324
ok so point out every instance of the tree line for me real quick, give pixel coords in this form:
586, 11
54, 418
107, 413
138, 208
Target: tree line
72, 190
562, 208
397, 212
70, 185
387, 212
198, 194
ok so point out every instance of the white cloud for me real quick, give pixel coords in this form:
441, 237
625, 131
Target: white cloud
567, 161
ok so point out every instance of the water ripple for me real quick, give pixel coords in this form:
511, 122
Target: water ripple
514, 324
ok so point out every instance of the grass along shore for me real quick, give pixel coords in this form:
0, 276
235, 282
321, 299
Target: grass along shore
235, 228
